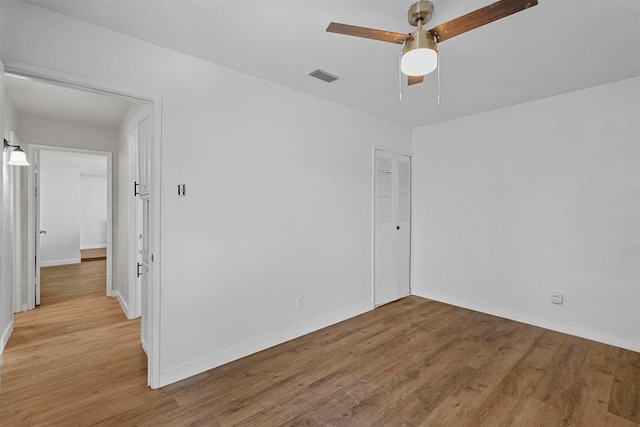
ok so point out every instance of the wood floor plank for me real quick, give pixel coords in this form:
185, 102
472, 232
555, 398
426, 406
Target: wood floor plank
616, 421
597, 393
535, 413
77, 360
594, 384
505, 402
625, 392
457, 409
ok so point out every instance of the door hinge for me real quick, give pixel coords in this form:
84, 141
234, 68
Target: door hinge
138, 273
136, 191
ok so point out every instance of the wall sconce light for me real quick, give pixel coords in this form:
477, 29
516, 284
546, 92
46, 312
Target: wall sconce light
17, 156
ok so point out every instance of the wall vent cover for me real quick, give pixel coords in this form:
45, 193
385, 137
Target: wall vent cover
323, 75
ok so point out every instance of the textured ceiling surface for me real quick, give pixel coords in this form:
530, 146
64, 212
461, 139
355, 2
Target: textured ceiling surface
555, 47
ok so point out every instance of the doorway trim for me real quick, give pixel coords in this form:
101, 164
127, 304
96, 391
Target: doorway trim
155, 104
31, 231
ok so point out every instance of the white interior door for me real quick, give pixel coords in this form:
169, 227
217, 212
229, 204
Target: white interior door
144, 251
392, 226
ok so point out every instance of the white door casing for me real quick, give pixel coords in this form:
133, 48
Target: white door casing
392, 226
142, 234
133, 223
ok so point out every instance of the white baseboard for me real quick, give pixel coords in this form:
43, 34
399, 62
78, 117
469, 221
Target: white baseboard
226, 356
5, 337
145, 347
96, 246
123, 304
535, 321
60, 262
20, 309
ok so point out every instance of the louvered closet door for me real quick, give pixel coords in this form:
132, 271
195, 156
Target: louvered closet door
392, 228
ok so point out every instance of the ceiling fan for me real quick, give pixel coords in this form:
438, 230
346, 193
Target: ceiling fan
420, 52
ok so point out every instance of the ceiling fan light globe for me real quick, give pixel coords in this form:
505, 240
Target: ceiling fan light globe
419, 62
419, 55
18, 158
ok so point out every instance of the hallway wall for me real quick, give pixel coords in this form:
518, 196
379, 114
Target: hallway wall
6, 291
58, 133
61, 203
93, 209
14, 264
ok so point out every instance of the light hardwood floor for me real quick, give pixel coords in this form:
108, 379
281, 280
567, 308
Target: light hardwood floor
76, 360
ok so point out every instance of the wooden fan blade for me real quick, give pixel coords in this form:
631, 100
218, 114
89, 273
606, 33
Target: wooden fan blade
412, 80
480, 17
367, 33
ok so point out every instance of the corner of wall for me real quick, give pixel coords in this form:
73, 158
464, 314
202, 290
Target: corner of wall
553, 325
5, 338
123, 304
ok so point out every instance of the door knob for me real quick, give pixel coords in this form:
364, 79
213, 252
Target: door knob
397, 227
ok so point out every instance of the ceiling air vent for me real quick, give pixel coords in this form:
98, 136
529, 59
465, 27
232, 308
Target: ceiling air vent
323, 75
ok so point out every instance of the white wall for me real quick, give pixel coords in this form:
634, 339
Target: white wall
13, 269
9, 122
516, 203
60, 203
93, 209
279, 191
59, 216
6, 287
59, 133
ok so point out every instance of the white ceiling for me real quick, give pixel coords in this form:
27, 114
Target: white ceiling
42, 100
555, 47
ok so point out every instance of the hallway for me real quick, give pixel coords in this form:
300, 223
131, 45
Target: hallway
64, 357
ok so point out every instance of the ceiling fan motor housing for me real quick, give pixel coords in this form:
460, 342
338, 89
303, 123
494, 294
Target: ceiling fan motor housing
420, 13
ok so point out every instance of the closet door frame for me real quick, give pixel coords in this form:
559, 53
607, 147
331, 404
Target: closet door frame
391, 151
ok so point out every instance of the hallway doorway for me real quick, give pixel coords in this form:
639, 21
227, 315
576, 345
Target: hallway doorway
66, 116
72, 210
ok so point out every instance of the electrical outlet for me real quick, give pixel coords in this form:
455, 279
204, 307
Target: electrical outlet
556, 297
299, 303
